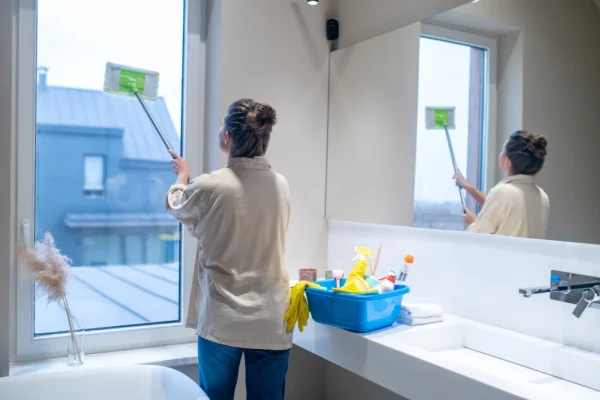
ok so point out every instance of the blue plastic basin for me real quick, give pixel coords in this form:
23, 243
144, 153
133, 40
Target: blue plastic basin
354, 312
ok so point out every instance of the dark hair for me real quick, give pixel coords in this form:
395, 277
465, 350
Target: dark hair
250, 124
526, 152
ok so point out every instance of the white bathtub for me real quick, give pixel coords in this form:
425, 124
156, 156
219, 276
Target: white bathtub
106, 383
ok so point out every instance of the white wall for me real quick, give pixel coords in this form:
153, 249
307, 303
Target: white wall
364, 19
7, 170
478, 276
275, 51
373, 96
549, 83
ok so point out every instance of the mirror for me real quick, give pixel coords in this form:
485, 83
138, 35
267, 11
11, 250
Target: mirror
501, 66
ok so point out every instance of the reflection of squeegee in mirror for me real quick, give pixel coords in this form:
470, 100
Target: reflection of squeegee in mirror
437, 118
138, 83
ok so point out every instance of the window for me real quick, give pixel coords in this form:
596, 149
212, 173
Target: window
454, 71
128, 261
93, 175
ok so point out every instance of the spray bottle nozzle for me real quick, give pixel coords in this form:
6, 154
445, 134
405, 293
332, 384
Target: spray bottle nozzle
362, 253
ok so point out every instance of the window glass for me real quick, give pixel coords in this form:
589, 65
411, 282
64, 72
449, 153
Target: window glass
93, 170
124, 246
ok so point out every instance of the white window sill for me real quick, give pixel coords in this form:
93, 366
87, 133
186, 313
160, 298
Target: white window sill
166, 356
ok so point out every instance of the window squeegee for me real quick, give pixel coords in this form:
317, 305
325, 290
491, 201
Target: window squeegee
135, 82
437, 118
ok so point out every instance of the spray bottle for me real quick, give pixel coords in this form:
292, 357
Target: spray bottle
360, 260
355, 283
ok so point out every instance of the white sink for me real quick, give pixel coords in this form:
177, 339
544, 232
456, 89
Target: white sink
510, 356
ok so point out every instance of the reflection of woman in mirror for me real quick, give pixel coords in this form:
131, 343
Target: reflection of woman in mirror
516, 206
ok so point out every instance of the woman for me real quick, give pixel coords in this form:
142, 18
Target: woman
516, 206
240, 292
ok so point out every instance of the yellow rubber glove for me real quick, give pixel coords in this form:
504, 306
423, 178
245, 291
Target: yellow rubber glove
298, 309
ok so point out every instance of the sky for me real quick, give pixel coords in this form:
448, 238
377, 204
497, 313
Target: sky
77, 38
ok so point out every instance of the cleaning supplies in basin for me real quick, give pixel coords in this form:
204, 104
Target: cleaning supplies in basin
355, 312
298, 309
356, 283
420, 314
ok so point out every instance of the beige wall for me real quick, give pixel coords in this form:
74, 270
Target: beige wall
373, 94
549, 78
280, 56
212, 117
361, 20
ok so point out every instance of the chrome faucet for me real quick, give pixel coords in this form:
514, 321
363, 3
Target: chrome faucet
584, 291
588, 297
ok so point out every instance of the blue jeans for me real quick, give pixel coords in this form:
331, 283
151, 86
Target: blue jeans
218, 367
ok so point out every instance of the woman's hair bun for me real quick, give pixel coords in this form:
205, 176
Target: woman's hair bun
538, 145
263, 115
526, 152
540, 142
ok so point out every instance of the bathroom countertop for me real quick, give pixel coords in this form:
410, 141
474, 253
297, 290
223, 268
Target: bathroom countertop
384, 358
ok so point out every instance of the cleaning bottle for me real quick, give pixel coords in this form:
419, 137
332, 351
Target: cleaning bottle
374, 282
403, 274
387, 285
356, 283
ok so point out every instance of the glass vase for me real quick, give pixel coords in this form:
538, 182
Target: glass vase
75, 352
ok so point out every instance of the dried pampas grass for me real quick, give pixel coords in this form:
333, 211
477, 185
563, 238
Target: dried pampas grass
51, 271
49, 267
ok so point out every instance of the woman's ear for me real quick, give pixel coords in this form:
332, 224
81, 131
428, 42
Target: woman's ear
507, 164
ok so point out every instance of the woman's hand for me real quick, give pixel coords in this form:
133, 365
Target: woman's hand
460, 180
469, 217
180, 167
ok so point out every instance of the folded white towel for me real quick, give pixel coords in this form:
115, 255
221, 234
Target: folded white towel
420, 321
421, 310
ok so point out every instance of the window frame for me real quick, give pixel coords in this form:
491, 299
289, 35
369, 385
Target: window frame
489, 146
26, 346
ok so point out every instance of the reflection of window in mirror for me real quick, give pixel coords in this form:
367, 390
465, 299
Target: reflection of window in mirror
453, 72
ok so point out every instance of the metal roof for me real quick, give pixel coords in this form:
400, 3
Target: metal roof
93, 108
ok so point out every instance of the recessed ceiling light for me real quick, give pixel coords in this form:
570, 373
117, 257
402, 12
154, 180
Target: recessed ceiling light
312, 2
